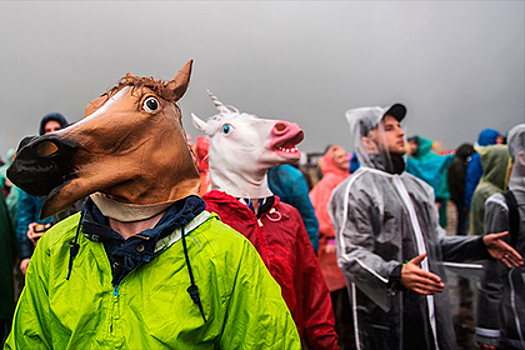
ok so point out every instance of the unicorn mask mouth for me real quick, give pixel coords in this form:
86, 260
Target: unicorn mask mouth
285, 137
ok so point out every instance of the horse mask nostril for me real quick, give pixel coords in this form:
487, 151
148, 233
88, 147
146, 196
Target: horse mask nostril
47, 148
280, 126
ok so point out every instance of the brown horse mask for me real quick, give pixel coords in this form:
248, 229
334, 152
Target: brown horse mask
130, 147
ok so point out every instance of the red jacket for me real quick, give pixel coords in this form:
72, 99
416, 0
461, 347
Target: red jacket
281, 239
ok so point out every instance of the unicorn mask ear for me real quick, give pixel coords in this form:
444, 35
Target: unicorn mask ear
200, 124
180, 83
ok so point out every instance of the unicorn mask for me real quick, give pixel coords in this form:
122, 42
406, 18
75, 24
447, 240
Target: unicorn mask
130, 147
243, 147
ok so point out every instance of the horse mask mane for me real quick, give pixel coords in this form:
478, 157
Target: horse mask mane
130, 148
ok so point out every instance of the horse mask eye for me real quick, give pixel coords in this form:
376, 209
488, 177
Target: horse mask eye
151, 104
226, 129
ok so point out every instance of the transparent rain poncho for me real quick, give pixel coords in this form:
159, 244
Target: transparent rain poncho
501, 299
384, 217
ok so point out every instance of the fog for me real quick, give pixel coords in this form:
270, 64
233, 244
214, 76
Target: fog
458, 66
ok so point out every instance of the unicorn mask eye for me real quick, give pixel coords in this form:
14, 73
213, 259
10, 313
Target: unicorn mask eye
151, 104
226, 128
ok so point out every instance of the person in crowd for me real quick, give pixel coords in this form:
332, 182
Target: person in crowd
8, 251
500, 318
390, 246
144, 265
289, 184
487, 137
334, 165
242, 148
11, 192
202, 145
426, 164
29, 206
496, 165
456, 174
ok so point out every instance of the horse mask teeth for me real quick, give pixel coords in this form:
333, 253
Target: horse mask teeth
131, 154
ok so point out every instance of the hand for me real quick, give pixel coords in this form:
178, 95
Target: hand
419, 280
486, 347
23, 265
35, 236
500, 250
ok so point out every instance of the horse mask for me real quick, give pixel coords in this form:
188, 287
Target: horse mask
130, 148
243, 147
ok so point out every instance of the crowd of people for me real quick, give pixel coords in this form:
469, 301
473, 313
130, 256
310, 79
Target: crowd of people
231, 243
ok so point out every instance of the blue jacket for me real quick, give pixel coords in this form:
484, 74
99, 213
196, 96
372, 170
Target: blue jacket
288, 183
28, 212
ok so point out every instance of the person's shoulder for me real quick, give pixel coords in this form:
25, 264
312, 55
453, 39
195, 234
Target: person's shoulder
497, 199
219, 234
62, 231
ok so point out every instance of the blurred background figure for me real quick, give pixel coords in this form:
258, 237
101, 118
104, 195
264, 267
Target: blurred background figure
495, 161
335, 167
8, 188
427, 164
487, 137
456, 175
202, 146
29, 206
289, 184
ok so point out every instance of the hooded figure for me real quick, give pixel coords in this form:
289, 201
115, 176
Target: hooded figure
335, 166
496, 162
242, 148
28, 205
202, 146
486, 138
456, 174
501, 299
389, 243
143, 265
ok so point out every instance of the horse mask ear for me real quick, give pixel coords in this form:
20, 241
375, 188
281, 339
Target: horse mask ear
180, 83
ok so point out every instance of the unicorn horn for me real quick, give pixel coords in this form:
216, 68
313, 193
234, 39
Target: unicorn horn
220, 106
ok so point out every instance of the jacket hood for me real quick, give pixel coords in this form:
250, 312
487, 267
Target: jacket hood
362, 121
517, 152
52, 116
495, 162
328, 165
488, 137
424, 149
238, 209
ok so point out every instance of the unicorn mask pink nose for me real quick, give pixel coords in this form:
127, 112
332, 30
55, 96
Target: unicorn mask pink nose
243, 147
285, 136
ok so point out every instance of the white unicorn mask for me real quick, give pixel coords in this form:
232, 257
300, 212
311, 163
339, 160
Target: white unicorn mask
243, 147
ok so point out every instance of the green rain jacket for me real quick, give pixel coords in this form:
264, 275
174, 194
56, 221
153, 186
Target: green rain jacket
151, 308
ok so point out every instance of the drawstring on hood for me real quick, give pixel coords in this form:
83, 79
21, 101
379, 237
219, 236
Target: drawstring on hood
73, 250
192, 289
95, 228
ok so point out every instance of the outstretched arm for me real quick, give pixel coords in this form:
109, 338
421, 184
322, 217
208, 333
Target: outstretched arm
501, 250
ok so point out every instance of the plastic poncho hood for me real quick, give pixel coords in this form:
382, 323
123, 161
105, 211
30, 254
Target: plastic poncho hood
517, 152
362, 121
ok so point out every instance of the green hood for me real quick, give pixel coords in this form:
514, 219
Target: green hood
495, 162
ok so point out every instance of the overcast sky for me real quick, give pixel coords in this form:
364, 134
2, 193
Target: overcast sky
458, 66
